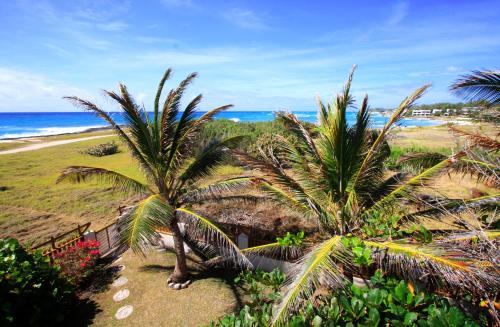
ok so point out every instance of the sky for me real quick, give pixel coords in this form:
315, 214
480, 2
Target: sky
256, 55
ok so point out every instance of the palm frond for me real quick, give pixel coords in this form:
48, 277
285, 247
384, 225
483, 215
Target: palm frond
421, 160
165, 77
138, 227
479, 85
363, 169
477, 139
449, 206
275, 251
208, 159
123, 183
203, 228
315, 269
432, 264
469, 236
295, 126
89, 106
414, 182
220, 188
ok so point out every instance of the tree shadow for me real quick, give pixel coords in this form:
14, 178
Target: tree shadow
85, 312
226, 275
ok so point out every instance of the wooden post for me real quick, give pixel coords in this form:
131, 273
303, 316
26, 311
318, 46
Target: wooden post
107, 235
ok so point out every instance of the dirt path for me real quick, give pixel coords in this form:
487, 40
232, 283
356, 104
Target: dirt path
42, 145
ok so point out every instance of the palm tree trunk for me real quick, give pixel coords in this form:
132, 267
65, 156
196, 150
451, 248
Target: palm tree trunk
180, 273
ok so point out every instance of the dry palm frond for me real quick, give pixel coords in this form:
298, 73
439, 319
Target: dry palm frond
215, 190
81, 174
317, 268
433, 264
416, 181
203, 228
479, 85
275, 251
477, 139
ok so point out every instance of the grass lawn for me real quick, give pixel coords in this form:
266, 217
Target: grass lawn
155, 304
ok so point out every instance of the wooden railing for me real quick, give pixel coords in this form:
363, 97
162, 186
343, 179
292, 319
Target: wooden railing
62, 241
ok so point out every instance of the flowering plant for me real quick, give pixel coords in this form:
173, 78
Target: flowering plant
78, 262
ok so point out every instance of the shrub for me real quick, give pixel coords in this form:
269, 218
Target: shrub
78, 262
389, 301
100, 150
32, 293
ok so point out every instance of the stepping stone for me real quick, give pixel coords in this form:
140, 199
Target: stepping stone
124, 312
120, 281
121, 295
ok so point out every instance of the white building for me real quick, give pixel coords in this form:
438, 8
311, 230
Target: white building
437, 111
421, 113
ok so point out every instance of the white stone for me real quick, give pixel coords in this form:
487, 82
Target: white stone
176, 286
120, 282
170, 284
121, 295
186, 284
124, 312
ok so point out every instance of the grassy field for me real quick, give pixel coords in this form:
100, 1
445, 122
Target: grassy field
33, 207
207, 299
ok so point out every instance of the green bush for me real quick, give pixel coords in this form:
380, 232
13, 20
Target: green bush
32, 293
388, 302
101, 150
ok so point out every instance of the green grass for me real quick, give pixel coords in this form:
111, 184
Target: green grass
34, 207
207, 298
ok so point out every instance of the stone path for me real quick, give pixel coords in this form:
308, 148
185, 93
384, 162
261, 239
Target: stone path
126, 310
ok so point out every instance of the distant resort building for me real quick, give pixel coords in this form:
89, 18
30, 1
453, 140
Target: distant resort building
437, 111
421, 113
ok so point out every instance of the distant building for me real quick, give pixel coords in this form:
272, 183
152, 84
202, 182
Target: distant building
421, 113
467, 110
450, 112
437, 111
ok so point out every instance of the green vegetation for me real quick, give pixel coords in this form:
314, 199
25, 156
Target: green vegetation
101, 150
163, 150
339, 179
32, 293
388, 301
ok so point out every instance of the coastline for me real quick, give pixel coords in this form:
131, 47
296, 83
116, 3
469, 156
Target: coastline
439, 122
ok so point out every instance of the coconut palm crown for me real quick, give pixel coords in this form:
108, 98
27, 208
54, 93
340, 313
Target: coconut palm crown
338, 179
162, 146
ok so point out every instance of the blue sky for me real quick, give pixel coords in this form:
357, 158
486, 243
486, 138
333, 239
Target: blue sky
257, 55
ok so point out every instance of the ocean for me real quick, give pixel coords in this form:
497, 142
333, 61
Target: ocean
26, 124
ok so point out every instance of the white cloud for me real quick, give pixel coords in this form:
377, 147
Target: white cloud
23, 91
244, 18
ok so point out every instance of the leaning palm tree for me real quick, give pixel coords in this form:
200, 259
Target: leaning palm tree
339, 180
162, 145
479, 86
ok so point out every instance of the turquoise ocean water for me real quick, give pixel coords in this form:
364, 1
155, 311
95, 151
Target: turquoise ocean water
25, 124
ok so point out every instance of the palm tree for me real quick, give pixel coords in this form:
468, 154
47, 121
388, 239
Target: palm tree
479, 86
162, 146
339, 180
